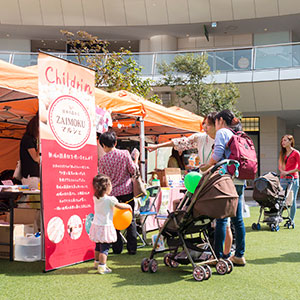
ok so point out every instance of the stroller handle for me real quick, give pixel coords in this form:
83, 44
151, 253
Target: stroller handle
227, 162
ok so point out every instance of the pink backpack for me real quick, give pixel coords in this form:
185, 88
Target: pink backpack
243, 150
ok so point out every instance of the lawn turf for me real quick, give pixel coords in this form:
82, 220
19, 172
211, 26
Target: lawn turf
272, 272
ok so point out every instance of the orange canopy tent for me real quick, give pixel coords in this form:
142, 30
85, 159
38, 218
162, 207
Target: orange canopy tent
160, 122
19, 102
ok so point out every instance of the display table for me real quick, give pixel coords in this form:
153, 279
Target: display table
11, 197
164, 203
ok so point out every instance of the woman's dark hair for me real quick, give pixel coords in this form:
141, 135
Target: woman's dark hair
108, 139
210, 118
228, 116
101, 183
179, 158
32, 127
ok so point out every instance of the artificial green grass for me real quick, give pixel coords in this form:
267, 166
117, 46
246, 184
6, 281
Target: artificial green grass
272, 272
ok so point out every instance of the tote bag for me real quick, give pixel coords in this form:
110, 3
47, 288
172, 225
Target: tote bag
139, 188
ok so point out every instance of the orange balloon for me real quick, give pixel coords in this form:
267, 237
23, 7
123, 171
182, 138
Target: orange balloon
122, 218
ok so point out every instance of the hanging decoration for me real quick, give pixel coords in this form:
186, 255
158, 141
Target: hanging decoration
103, 120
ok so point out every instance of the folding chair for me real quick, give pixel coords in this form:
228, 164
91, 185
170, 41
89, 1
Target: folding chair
147, 208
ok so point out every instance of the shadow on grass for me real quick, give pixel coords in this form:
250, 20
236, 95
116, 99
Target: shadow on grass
292, 257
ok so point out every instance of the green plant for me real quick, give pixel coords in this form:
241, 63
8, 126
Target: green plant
188, 76
114, 70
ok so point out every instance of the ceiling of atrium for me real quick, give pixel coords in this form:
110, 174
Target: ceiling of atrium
42, 20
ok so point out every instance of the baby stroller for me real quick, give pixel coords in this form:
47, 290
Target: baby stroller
186, 230
272, 199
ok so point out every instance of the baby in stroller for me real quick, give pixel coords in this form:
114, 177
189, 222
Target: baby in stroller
188, 227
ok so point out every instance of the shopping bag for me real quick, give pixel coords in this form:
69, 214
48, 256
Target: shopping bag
139, 187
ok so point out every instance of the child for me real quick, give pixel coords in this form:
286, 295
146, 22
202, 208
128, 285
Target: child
102, 230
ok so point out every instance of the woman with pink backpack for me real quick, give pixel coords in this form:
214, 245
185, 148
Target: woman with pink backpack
224, 122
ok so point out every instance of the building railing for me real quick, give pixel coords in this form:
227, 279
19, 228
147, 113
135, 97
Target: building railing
221, 60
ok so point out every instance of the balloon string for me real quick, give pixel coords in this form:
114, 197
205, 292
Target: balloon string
137, 196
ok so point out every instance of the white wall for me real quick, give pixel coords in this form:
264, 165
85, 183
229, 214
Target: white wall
272, 129
270, 38
15, 45
218, 41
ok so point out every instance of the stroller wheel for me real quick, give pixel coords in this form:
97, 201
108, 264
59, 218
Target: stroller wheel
174, 263
153, 265
230, 265
145, 265
199, 273
290, 224
258, 226
254, 226
272, 227
222, 267
167, 259
277, 228
208, 271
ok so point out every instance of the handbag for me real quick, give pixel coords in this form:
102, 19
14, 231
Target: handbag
17, 172
139, 187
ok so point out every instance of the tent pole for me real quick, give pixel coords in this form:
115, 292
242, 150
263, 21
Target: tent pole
142, 148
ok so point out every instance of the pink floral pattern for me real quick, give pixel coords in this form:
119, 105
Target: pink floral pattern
119, 166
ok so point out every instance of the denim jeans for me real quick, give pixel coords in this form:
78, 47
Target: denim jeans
284, 182
238, 223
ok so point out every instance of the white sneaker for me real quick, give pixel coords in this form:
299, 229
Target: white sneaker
104, 270
96, 264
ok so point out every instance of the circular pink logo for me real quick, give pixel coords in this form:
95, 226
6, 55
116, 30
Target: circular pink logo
70, 122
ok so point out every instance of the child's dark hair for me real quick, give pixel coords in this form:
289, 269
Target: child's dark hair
101, 183
108, 139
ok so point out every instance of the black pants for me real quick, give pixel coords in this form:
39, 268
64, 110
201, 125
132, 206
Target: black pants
130, 231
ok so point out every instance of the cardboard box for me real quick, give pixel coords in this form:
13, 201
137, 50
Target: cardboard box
19, 230
167, 174
24, 215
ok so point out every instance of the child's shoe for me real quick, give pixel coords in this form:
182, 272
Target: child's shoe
104, 270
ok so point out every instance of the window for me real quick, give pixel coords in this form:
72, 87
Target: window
250, 124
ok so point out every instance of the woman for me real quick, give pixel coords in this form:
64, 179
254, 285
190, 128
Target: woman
119, 167
203, 141
29, 154
224, 121
289, 165
176, 160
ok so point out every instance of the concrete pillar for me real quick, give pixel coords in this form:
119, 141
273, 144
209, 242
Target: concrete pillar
272, 129
163, 43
